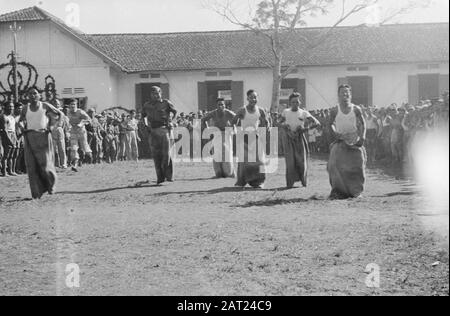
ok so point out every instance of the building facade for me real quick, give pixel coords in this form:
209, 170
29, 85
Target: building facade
396, 63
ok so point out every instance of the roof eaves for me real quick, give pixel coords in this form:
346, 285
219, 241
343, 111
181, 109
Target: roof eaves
316, 28
136, 71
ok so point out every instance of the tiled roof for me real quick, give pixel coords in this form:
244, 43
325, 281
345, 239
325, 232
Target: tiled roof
28, 14
242, 49
401, 43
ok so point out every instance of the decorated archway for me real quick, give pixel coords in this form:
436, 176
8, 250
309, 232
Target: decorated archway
27, 77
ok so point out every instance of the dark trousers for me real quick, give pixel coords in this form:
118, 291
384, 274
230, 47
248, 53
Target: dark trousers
161, 145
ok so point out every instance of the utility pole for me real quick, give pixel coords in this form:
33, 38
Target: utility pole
15, 29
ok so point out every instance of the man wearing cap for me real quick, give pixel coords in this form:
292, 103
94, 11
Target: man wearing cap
95, 138
157, 117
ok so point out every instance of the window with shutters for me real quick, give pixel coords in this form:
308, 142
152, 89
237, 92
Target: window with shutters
216, 89
288, 86
361, 90
223, 73
428, 86
360, 68
67, 91
226, 73
428, 66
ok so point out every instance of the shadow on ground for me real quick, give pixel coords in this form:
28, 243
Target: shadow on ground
108, 190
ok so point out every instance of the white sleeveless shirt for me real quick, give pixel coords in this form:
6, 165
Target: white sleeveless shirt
10, 123
346, 123
251, 120
37, 120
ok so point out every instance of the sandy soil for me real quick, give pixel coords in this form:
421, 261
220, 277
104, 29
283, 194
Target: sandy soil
200, 236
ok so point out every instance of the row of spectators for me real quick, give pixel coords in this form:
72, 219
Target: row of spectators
390, 130
112, 136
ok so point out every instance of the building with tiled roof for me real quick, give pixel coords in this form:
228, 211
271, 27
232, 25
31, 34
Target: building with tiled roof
392, 63
242, 49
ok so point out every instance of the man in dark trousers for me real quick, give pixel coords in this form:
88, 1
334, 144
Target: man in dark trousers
157, 117
8, 137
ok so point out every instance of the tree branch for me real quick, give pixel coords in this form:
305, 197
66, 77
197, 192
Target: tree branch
298, 14
345, 15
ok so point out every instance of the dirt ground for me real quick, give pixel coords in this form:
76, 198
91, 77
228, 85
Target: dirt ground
200, 236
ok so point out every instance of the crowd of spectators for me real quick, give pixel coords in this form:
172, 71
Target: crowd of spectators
390, 131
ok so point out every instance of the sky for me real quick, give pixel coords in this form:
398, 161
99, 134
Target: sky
164, 16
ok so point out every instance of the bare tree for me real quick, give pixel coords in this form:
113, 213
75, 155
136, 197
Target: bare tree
278, 20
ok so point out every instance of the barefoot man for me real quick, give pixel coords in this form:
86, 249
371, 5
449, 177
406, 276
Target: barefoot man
39, 145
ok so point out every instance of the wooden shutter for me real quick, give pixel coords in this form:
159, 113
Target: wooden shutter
301, 88
237, 94
202, 96
443, 84
342, 81
369, 91
165, 91
139, 102
413, 90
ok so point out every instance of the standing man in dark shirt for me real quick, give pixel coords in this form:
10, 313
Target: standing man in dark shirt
157, 118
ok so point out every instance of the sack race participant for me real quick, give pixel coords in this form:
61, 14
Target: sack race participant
296, 123
38, 146
250, 119
347, 162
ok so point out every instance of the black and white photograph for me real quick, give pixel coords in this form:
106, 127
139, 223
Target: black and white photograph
224, 153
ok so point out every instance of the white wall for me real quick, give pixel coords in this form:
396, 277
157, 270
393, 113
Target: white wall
390, 84
184, 89
74, 66
54, 52
114, 91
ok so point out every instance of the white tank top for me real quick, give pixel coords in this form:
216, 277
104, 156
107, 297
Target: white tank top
10, 123
346, 123
251, 120
37, 120
372, 123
